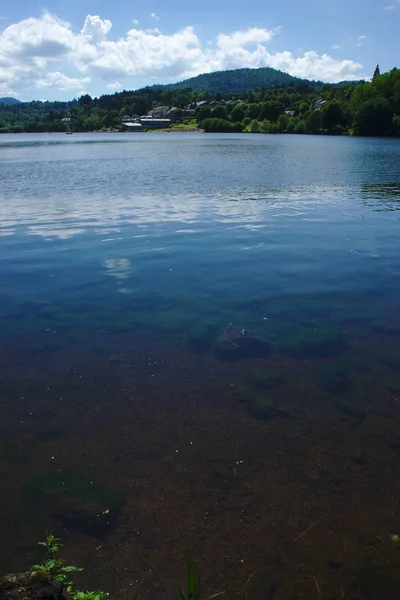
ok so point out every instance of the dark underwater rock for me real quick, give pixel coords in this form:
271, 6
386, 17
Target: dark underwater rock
77, 503
90, 517
237, 343
28, 586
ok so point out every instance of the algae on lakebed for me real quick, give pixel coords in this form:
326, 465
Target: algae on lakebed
314, 342
266, 380
76, 501
202, 335
334, 378
350, 407
264, 407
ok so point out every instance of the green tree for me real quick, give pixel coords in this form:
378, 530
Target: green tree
375, 118
182, 100
204, 112
332, 116
255, 126
85, 100
270, 111
396, 125
237, 114
282, 122
141, 105
219, 112
291, 125
265, 126
253, 110
300, 127
314, 122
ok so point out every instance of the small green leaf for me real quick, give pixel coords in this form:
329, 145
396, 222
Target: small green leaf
71, 569
50, 564
182, 594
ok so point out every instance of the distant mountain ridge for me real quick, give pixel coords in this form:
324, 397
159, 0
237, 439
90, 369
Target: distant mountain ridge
8, 100
238, 80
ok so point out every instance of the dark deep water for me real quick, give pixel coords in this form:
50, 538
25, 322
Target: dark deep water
123, 258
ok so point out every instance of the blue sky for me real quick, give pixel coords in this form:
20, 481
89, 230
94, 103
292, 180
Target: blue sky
59, 50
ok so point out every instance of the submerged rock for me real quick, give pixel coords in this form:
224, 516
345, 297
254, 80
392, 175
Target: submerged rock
77, 502
29, 586
88, 517
237, 343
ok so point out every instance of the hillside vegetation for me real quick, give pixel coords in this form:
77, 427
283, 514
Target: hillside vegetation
364, 108
238, 80
9, 100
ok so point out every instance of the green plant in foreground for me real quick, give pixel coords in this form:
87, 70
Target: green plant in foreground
55, 568
90, 595
53, 565
193, 582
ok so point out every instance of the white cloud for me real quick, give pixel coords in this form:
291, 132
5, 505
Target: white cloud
62, 82
96, 29
390, 7
45, 52
313, 66
115, 85
335, 47
154, 16
32, 39
135, 22
361, 40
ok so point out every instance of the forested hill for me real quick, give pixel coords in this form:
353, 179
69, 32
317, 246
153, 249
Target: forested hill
238, 80
9, 101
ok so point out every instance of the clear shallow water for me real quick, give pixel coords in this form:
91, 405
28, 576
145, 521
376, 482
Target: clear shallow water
122, 260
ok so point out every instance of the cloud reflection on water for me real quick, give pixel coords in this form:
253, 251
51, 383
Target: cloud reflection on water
64, 218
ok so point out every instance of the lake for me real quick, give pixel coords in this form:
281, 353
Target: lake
200, 350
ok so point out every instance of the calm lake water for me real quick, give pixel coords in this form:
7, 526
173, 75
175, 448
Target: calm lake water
136, 424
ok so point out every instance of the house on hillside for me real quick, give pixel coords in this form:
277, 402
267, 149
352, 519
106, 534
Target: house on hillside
319, 104
290, 113
159, 112
175, 114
